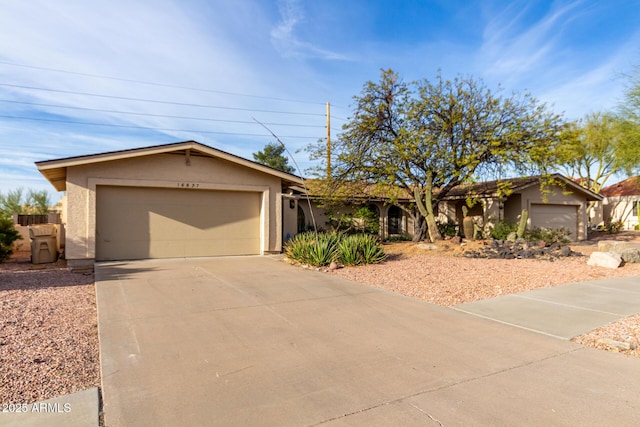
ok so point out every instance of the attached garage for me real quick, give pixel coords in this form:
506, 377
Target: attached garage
552, 216
140, 223
168, 201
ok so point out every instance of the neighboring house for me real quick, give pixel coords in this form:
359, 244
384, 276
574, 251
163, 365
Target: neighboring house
621, 202
562, 205
170, 201
189, 200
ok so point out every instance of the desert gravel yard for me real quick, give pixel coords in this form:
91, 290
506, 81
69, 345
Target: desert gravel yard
48, 331
48, 320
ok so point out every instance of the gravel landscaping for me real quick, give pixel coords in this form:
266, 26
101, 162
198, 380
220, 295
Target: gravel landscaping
48, 331
48, 320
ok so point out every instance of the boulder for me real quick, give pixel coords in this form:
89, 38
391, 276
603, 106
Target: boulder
628, 251
630, 255
428, 246
616, 246
605, 259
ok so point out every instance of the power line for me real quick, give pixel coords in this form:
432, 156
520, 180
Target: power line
155, 101
151, 114
40, 119
99, 76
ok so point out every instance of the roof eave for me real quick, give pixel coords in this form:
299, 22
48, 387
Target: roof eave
56, 170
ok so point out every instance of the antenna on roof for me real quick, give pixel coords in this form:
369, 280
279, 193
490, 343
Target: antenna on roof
306, 190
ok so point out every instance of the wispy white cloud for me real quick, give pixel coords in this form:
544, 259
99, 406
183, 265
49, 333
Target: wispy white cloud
285, 39
513, 47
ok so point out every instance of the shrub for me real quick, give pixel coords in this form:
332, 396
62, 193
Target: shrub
447, 228
613, 227
8, 235
363, 220
313, 249
502, 229
322, 249
359, 249
549, 236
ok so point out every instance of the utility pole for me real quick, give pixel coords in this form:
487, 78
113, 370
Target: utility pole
328, 141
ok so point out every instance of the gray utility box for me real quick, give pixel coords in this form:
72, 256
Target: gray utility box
43, 243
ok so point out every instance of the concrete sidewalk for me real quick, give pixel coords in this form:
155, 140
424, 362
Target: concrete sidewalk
563, 311
253, 341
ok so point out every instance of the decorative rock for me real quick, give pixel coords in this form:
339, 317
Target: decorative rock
511, 237
456, 239
333, 266
565, 251
605, 259
428, 246
616, 246
613, 343
630, 255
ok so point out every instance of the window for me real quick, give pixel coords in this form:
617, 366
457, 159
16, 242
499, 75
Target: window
634, 209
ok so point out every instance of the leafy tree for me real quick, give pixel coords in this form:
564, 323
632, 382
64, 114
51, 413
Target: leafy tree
273, 156
12, 202
604, 144
15, 202
38, 202
425, 138
629, 114
596, 148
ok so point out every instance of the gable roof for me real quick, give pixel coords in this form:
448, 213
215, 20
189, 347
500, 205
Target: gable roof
491, 188
628, 187
56, 170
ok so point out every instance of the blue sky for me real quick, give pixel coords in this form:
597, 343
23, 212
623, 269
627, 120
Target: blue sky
211, 66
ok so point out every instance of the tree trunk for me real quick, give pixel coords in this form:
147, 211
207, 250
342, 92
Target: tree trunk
419, 227
426, 208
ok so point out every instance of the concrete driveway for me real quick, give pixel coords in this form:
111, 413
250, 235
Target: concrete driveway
254, 341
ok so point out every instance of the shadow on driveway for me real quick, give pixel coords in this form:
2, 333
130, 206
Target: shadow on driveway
254, 341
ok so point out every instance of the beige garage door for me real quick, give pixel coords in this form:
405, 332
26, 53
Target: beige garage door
555, 216
140, 223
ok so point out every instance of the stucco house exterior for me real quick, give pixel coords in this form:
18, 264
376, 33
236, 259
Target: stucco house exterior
562, 204
166, 201
621, 201
187, 199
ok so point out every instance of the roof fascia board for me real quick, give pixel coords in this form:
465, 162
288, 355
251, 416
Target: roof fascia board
163, 149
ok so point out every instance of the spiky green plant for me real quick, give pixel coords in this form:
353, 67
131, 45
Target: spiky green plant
322, 249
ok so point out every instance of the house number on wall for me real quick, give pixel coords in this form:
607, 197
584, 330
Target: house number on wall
188, 185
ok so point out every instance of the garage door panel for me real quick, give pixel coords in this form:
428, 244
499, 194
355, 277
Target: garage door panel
555, 216
138, 223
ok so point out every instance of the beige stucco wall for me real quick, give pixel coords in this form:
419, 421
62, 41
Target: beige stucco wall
621, 209
289, 216
164, 171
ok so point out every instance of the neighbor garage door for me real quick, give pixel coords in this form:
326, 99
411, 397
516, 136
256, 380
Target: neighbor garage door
139, 223
554, 217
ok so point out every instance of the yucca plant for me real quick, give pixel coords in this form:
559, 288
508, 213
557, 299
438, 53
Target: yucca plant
349, 250
324, 248
313, 249
360, 249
